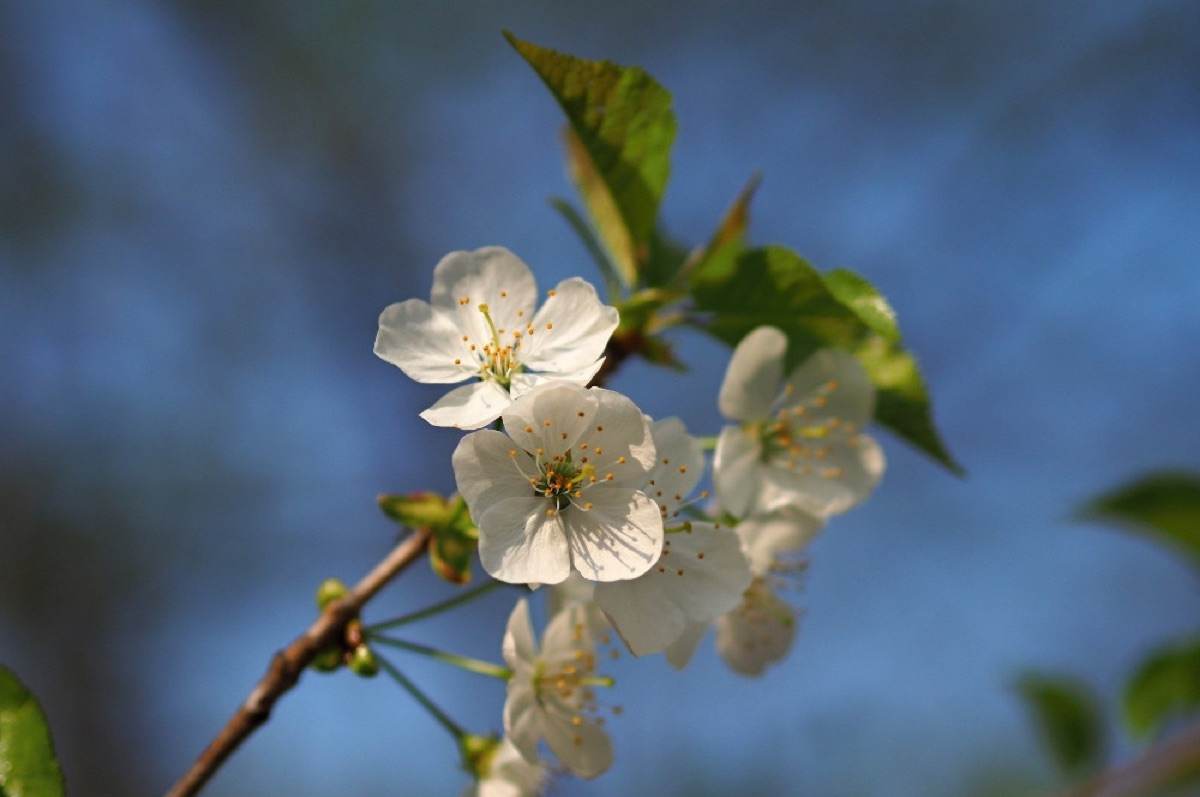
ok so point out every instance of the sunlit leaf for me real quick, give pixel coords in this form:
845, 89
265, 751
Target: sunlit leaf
740, 289
622, 128
1067, 718
861, 297
1165, 505
28, 767
1166, 685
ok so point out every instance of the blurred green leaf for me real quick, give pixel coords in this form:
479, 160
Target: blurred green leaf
28, 767
454, 537
740, 289
1165, 504
618, 147
1067, 718
1166, 685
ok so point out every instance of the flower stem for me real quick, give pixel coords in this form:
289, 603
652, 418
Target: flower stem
437, 608
466, 662
708, 443
452, 727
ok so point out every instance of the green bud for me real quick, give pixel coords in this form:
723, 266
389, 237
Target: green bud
477, 753
363, 662
331, 589
418, 510
327, 660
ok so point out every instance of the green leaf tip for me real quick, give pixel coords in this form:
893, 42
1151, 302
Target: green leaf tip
1165, 504
620, 133
1067, 718
28, 766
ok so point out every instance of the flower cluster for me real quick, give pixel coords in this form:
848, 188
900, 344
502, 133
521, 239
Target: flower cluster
574, 487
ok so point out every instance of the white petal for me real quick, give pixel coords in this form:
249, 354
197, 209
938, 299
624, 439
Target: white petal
585, 750
564, 636
841, 479
680, 652
642, 612
493, 276
519, 646
525, 381
471, 406
760, 631
485, 472
754, 376
570, 330
522, 717
510, 775
551, 418
737, 463
701, 575
832, 384
424, 343
520, 543
679, 465
765, 537
618, 440
577, 590
620, 537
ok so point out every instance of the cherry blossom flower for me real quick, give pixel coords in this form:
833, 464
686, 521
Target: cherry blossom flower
551, 692
798, 440
506, 773
480, 323
561, 488
760, 630
702, 572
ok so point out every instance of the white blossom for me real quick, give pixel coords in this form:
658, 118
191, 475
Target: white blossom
561, 488
702, 572
551, 692
480, 325
798, 440
508, 774
761, 628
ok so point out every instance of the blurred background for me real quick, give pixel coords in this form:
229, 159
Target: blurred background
204, 207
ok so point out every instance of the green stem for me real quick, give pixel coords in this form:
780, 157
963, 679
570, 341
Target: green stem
437, 608
708, 443
452, 727
465, 662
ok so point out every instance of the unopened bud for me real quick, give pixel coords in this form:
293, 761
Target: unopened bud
363, 662
327, 660
477, 753
331, 589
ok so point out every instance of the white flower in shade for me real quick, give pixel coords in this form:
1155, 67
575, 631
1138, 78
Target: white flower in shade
561, 489
758, 632
762, 627
702, 572
480, 324
550, 692
798, 440
508, 774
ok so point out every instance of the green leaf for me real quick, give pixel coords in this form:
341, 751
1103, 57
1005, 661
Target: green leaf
742, 289
1166, 685
28, 767
619, 146
1067, 718
861, 297
1165, 504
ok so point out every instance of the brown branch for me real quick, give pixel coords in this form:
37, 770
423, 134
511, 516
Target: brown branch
288, 664
1162, 766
